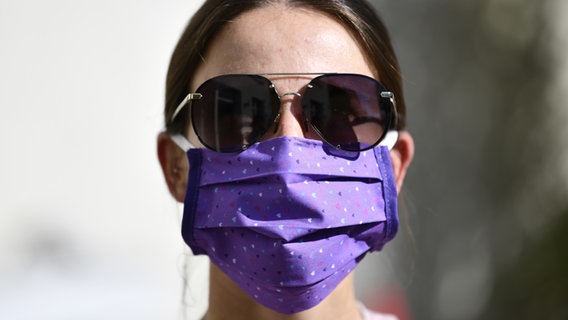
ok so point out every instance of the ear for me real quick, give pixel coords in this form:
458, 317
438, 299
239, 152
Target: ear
174, 166
401, 156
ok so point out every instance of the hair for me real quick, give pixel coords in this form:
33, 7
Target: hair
357, 16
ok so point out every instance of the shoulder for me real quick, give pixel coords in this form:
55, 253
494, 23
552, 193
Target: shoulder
372, 315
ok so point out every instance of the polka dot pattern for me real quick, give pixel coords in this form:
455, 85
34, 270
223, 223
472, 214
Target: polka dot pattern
288, 218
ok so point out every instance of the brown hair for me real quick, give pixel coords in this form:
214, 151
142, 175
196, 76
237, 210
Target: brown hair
356, 15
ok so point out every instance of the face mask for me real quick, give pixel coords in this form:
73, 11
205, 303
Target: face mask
289, 218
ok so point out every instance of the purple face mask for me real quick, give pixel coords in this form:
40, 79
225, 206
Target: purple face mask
288, 218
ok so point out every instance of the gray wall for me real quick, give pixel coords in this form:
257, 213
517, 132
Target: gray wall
486, 89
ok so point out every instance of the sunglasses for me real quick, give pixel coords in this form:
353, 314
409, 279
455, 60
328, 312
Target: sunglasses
351, 112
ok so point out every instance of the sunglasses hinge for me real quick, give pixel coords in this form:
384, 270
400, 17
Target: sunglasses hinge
194, 96
387, 95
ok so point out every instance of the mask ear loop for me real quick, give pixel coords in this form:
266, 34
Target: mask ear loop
182, 142
390, 139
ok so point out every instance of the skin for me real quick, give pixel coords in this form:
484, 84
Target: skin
268, 40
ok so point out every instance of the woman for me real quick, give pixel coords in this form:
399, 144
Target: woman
285, 109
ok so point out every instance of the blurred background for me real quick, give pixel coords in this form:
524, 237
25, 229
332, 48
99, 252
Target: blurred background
89, 231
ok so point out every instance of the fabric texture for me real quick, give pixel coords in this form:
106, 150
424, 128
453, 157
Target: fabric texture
289, 218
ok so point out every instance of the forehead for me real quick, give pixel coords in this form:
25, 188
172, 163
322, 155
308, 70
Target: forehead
282, 39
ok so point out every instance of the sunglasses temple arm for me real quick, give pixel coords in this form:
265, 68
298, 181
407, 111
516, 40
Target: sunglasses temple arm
389, 95
189, 97
182, 142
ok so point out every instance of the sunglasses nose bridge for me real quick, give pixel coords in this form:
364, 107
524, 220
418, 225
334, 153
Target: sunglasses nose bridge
291, 93
289, 121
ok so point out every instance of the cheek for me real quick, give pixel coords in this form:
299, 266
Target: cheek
310, 132
192, 137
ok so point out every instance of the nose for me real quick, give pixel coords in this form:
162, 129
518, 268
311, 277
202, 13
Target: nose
290, 121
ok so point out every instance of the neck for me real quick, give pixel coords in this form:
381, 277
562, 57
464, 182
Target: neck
228, 301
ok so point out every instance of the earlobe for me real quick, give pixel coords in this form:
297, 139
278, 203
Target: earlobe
174, 166
401, 157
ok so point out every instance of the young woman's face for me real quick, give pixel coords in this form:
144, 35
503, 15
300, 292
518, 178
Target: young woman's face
277, 39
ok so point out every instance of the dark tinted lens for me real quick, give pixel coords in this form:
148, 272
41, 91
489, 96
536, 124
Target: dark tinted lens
235, 111
347, 110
